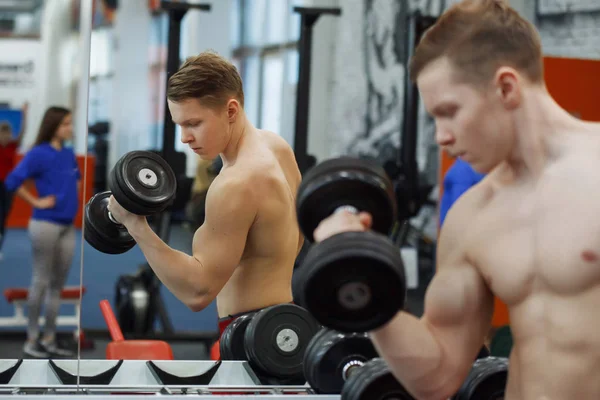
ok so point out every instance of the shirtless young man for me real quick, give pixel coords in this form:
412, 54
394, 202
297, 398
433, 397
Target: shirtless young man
529, 233
243, 255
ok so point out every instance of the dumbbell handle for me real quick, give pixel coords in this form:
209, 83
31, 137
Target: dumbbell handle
351, 366
350, 209
110, 216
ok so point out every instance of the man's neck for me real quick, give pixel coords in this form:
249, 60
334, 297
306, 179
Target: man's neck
239, 130
537, 125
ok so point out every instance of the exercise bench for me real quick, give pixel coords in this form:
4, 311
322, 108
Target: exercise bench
121, 349
18, 298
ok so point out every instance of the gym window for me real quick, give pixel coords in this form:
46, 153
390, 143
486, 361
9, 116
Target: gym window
265, 39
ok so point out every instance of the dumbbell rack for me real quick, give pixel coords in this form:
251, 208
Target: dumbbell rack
132, 379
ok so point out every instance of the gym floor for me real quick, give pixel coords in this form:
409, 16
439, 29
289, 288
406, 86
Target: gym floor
100, 274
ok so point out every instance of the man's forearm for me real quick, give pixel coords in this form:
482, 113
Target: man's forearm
179, 272
413, 354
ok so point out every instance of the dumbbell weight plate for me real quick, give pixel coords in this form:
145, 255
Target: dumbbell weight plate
374, 381
143, 182
328, 355
100, 232
231, 345
276, 339
352, 282
486, 380
345, 181
483, 353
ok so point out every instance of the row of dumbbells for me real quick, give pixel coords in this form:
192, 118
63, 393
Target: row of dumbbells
354, 282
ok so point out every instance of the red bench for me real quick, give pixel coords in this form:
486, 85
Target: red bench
18, 298
121, 349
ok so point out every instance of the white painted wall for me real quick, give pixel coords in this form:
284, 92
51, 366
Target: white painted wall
130, 111
55, 56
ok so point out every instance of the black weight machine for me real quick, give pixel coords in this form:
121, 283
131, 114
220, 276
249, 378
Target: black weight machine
411, 191
138, 301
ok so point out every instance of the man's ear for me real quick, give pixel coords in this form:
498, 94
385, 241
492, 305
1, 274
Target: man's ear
233, 109
508, 85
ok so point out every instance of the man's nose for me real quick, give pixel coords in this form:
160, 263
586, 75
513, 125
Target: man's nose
443, 137
186, 137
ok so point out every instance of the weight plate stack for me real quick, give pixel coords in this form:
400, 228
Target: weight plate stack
374, 381
231, 344
100, 232
352, 282
346, 181
332, 356
143, 183
486, 380
276, 339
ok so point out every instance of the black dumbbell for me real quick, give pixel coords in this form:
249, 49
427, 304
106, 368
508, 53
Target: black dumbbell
346, 183
332, 356
486, 380
272, 340
144, 184
352, 281
347, 363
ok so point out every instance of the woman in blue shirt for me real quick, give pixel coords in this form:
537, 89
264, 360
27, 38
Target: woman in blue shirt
459, 178
53, 167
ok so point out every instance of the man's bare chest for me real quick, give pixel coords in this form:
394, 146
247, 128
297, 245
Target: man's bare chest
541, 238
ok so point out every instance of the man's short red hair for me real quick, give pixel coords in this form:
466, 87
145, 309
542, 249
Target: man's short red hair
478, 37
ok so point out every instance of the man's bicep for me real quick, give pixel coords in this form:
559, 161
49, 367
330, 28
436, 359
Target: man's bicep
220, 242
459, 308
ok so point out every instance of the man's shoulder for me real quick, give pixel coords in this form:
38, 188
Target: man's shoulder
234, 180
470, 203
276, 142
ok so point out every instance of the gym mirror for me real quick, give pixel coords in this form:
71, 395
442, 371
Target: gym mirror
43, 118
131, 51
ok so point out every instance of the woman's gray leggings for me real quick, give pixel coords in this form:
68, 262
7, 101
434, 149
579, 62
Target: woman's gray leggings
53, 249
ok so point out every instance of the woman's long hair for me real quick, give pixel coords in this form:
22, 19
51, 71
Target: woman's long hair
50, 123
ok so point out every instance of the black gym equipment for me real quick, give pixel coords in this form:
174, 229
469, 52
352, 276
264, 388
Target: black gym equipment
142, 183
231, 344
134, 300
331, 357
308, 17
411, 190
272, 340
101, 231
410, 194
486, 380
345, 183
276, 338
373, 381
352, 281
